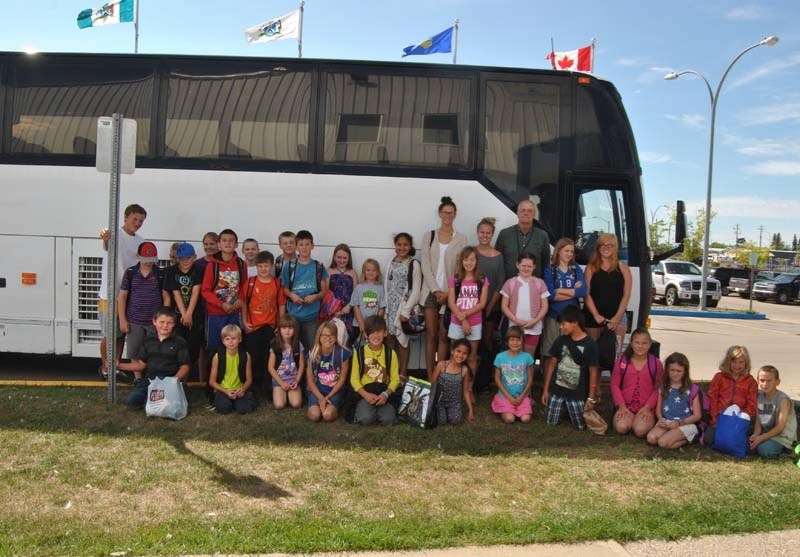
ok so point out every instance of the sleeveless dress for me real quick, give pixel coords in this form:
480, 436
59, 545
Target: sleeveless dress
397, 283
342, 287
606, 290
449, 409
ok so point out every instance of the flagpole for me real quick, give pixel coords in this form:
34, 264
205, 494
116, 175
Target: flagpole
591, 66
136, 29
300, 38
552, 53
455, 40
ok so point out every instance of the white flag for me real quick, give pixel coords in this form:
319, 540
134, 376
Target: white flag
285, 27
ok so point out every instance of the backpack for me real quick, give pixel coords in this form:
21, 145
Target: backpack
222, 361
457, 286
651, 365
352, 398
705, 407
293, 269
240, 265
416, 320
277, 349
359, 352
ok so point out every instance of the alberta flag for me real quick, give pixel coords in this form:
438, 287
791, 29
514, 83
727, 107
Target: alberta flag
443, 42
284, 27
116, 11
578, 60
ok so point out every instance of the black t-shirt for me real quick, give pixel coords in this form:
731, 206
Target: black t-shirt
163, 357
183, 283
571, 376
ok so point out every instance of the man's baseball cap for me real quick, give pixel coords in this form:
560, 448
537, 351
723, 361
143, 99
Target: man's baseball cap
147, 252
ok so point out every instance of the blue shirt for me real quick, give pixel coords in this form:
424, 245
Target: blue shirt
305, 283
676, 404
560, 279
513, 371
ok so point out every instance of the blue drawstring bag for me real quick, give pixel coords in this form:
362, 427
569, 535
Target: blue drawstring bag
731, 435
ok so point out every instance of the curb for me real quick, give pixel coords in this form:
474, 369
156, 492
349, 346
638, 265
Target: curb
711, 314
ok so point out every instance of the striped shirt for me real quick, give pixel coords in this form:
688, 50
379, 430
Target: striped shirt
144, 294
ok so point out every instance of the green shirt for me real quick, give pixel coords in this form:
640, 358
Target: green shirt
231, 381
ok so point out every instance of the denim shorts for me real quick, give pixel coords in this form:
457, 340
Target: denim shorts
456, 332
336, 399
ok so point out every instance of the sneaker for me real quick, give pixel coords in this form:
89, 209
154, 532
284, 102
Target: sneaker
124, 377
102, 373
211, 408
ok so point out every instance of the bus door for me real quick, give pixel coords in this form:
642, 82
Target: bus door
598, 205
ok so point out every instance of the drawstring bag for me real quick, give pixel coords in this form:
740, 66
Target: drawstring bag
595, 422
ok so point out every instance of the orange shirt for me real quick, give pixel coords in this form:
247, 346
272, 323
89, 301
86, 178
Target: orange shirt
264, 299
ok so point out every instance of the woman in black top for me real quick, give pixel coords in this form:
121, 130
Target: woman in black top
609, 281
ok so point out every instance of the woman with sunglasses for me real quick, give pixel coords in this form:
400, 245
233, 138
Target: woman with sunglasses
609, 281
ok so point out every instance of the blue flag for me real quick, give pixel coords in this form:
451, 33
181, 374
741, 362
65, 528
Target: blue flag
443, 42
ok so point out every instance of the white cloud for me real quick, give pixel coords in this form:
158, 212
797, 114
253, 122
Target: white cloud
757, 207
746, 13
778, 64
771, 114
653, 157
653, 73
631, 61
770, 148
775, 168
689, 120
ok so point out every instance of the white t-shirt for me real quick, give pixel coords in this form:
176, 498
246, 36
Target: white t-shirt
127, 246
523, 309
441, 272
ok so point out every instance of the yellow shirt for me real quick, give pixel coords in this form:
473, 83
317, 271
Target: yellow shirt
375, 369
231, 381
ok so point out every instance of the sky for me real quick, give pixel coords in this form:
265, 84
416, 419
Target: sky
756, 179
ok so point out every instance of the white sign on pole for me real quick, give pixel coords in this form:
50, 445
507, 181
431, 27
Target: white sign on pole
105, 145
753, 258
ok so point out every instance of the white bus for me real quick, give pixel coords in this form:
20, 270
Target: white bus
353, 151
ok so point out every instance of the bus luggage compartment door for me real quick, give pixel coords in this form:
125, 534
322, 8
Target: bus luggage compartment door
27, 301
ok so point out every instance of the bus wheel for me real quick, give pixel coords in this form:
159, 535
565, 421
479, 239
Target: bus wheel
671, 297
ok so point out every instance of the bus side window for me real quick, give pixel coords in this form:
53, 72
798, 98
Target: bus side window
600, 211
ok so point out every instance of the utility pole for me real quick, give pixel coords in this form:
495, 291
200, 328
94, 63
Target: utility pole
736, 238
760, 232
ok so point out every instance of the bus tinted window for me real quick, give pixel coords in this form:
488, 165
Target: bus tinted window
601, 211
601, 138
522, 137
55, 110
411, 120
260, 115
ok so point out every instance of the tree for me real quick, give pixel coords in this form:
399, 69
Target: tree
794, 243
693, 244
720, 245
743, 254
777, 242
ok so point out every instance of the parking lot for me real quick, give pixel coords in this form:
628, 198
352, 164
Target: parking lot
704, 340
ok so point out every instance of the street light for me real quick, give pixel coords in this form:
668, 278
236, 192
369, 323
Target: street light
768, 41
653, 214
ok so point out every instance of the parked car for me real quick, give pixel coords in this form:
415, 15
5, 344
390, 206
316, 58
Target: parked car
783, 289
676, 281
742, 285
725, 274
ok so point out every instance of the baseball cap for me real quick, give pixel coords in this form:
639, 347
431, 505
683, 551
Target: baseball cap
184, 250
147, 252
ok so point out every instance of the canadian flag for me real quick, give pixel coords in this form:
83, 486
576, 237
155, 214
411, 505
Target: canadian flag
578, 60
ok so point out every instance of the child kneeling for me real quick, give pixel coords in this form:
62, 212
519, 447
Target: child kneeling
572, 373
375, 376
232, 374
776, 426
328, 364
513, 375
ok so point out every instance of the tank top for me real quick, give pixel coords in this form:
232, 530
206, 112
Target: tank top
606, 289
768, 409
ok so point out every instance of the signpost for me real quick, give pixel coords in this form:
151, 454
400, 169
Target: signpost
753, 262
116, 154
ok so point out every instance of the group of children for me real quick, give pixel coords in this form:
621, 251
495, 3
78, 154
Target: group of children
320, 333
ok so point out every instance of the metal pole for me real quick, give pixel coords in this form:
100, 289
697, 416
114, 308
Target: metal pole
136, 29
455, 40
111, 278
591, 63
300, 38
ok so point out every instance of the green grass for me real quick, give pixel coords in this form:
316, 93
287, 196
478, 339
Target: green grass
81, 478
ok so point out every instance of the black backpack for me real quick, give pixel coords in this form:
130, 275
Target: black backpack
222, 362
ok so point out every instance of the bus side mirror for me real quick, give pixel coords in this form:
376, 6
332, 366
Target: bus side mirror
680, 222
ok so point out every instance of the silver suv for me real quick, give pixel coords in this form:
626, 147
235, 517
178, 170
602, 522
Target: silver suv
675, 281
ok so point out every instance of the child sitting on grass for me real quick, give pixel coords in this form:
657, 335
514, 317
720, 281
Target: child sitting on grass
513, 375
678, 409
732, 384
776, 427
451, 378
328, 364
375, 375
232, 374
572, 374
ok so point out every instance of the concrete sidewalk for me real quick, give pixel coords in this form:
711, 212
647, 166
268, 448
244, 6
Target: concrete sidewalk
767, 544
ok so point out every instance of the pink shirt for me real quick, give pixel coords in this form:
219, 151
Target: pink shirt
637, 388
467, 299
